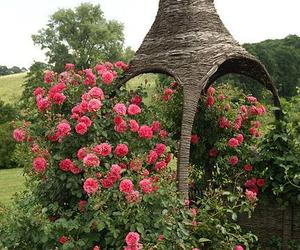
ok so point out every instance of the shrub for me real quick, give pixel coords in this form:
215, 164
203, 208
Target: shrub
7, 146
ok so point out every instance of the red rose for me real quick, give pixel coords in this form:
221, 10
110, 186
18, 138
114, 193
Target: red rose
121, 150
90, 185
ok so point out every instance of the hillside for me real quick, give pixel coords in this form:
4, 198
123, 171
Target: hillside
11, 87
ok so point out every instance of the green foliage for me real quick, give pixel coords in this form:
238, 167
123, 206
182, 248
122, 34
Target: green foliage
7, 112
81, 36
7, 146
11, 87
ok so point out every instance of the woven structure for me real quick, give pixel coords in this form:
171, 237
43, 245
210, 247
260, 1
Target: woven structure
189, 42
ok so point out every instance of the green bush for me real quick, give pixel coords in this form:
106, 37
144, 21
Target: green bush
7, 146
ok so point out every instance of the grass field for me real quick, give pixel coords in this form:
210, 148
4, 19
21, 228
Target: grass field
11, 87
11, 181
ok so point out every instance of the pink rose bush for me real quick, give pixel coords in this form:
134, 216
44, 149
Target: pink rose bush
100, 167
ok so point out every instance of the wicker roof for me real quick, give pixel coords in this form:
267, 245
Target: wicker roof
189, 42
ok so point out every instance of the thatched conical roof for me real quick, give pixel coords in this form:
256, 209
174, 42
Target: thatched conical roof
189, 42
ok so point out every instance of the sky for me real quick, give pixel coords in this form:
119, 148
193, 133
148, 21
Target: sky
247, 20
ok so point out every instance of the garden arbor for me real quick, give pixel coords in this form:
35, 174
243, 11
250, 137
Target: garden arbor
189, 42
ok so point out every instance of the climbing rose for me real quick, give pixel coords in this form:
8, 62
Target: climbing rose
210, 101
221, 97
39, 91
240, 138
63, 128
146, 186
160, 148
211, 91
97, 93
19, 135
91, 160
39, 164
81, 128
136, 164
94, 105
132, 197
213, 152
120, 109
132, 238
107, 77
121, 65
121, 150
126, 186
49, 76
145, 132
260, 182
65, 165
137, 100
251, 196
224, 123
58, 98
233, 143
195, 139
155, 126
168, 91
69, 66
151, 157
251, 99
81, 153
248, 167
238, 247
134, 109
103, 149
163, 133
63, 239
90, 185
233, 160
87, 121
160, 165
134, 126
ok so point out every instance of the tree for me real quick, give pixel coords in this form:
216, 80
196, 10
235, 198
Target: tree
81, 36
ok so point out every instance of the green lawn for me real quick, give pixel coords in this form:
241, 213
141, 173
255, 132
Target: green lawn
11, 87
11, 181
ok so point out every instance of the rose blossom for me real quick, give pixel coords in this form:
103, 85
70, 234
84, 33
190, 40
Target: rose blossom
90, 185
81, 153
120, 109
213, 152
248, 167
103, 149
146, 186
134, 126
260, 182
87, 121
94, 105
91, 160
238, 247
224, 123
121, 65
121, 150
211, 91
195, 139
210, 101
132, 197
97, 93
251, 196
58, 98
126, 186
251, 99
63, 128
136, 164
145, 132
107, 77
132, 238
39, 164
163, 133
155, 126
160, 148
39, 91
240, 138
233, 143
233, 160
151, 157
19, 135
65, 165
81, 128
134, 109
136, 100
160, 165
49, 76
63, 239
121, 127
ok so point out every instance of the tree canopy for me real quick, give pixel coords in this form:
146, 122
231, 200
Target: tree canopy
81, 36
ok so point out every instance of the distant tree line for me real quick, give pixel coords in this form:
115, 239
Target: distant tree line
281, 58
4, 70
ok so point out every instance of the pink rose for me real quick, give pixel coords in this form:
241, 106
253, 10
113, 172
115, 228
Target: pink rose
146, 186
87, 121
107, 77
135, 164
136, 100
81, 153
103, 149
160, 165
145, 132
121, 65
233, 143
163, 133
251, 99
132, 197
65, 165
160, 148
120, 109
238, 247
213, 152
91, 160
195, 139
94, 105
151, 157
90, 78
90, 185
134, 109
49, 76
126, 186
121, 127
210, 101
134, 126
39, 164
233, 160
121, 150
260, 182
97, 93
250, 196
211, 91
63, 128
81, 128
19, 135
132, 238
69, 66
221, 97
39, 91
155, 126
58, 98
248, 167
168, 91
224, 123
